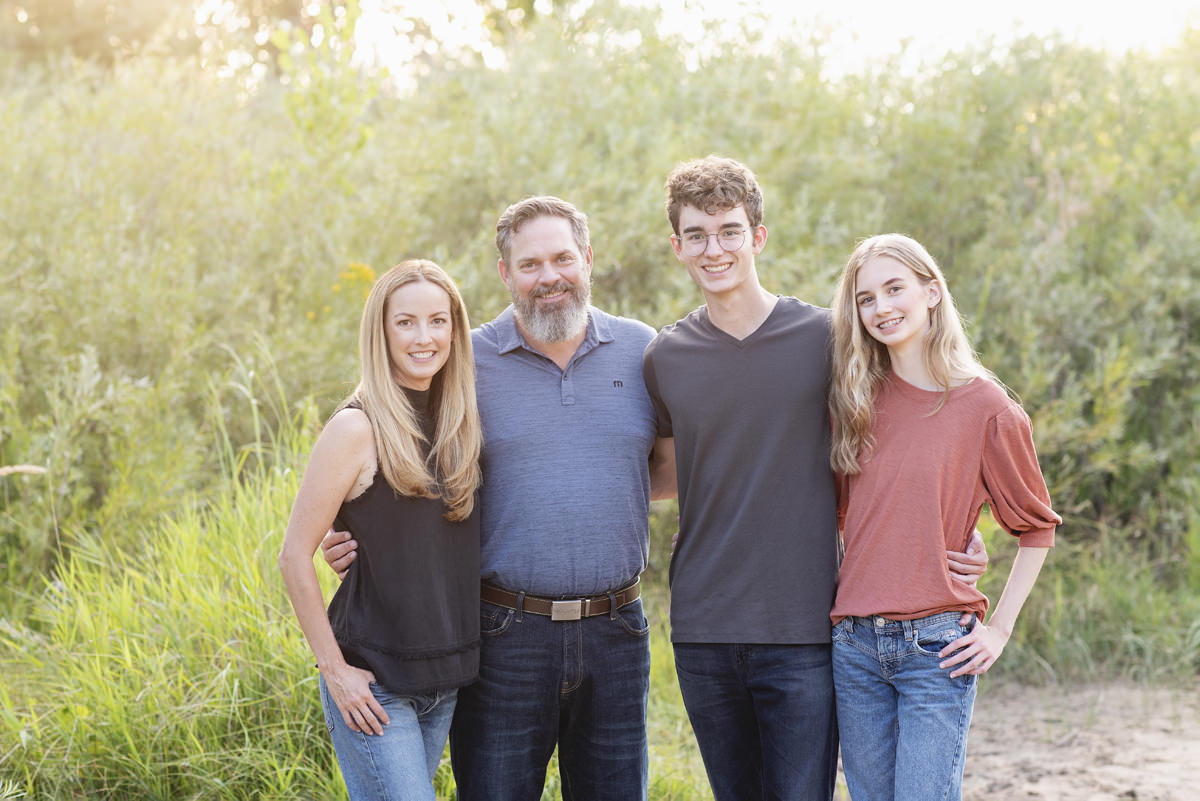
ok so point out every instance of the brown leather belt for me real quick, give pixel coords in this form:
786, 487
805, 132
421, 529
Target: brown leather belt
559, 609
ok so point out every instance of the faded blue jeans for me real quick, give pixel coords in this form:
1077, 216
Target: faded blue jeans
903, 720
400, 763
581, 685
763, 717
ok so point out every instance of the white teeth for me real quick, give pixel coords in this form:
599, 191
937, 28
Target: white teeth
890, 324
423, 354
716, 268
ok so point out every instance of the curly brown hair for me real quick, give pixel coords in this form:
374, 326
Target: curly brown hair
713, 184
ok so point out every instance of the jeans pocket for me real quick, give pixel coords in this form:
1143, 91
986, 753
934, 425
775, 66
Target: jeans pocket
633, 620
382, 694
930, 640
494, 620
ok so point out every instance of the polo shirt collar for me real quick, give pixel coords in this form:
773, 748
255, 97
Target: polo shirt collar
599, 330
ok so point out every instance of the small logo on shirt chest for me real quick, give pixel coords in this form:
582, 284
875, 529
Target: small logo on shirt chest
618, 383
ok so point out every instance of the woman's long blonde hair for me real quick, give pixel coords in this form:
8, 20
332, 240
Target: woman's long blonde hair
861, 362
451, 470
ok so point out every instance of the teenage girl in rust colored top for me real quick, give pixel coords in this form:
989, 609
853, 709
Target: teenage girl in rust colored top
925, 435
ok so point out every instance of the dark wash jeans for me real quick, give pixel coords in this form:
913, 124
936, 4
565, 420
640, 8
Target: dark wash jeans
581, 685
763, 717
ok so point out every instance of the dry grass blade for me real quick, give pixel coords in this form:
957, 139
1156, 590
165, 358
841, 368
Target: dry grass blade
28, 469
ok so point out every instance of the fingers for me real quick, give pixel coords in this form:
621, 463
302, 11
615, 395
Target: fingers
966, 619
964, 569
363, 720
976, 549
963, 562
370, 723
351, 691
348, 719
963, 575
976, 652
968, 660
977, 666
379, 714
340, 556
365, 714
334, 538
958, 651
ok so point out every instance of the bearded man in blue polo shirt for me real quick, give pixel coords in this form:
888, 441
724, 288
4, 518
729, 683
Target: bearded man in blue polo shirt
570, 463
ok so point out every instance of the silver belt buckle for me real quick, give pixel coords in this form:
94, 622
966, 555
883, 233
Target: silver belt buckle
566, 610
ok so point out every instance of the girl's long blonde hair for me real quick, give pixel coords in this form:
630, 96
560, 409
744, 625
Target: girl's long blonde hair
451, 470
861, 362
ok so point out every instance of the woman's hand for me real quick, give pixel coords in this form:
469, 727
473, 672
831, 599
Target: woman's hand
350, 688
979, 649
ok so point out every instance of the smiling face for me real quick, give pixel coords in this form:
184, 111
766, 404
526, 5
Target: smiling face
893, 303
717, 271
419, 329
549, 279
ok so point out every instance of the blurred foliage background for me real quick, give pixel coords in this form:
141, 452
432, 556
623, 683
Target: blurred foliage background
196, 198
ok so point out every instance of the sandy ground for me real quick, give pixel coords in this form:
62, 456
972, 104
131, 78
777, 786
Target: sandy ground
1088, 743
1100, 742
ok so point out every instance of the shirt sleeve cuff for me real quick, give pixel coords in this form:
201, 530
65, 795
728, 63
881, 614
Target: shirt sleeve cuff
1037, 538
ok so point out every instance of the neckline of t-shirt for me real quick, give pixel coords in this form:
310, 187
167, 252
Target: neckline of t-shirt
913, 391
746, 340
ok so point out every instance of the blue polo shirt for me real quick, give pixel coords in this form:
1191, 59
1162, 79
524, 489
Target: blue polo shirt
566, 482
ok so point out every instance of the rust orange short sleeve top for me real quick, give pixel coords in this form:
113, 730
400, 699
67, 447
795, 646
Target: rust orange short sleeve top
920, 493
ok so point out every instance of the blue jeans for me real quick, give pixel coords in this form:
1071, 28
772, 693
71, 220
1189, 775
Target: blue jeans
763, 717
581, 685
903, 720
400, 763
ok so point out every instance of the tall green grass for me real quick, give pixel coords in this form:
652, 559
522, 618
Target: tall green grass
175, 669
172, 670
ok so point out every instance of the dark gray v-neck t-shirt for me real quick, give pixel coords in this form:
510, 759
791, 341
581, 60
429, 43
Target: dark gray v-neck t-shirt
757, 556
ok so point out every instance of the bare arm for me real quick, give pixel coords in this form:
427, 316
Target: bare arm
979, 650
335, 463
663, 484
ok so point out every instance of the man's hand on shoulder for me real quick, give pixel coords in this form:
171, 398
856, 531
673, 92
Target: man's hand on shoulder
339, 551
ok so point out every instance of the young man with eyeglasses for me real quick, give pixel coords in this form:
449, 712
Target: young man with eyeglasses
741, 384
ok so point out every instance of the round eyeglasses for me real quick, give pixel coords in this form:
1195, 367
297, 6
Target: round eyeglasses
693, 243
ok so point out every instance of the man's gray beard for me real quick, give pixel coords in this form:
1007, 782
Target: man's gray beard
554, 324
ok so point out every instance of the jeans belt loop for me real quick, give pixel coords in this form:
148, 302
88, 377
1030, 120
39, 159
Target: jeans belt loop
909, 631
612, 605
520, 606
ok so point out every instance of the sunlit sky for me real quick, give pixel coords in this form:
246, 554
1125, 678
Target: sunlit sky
860, 30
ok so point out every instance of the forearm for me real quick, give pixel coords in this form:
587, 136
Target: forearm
663, 482
1025, 570
304, 592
